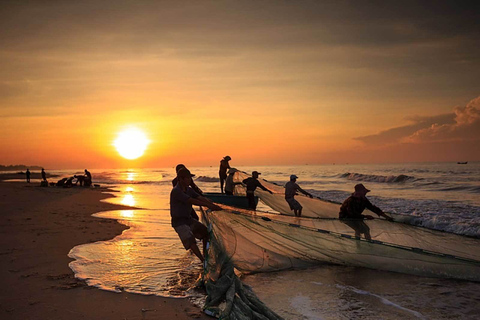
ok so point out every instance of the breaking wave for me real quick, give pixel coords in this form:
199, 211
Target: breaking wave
207, 179
376, 178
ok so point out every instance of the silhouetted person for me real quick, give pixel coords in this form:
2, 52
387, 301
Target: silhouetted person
352, 208
69, 182
61, 182
291, 188
182, 197
229, 183
27, 174
192, 184
88, 178
44, 175
80, 179
252, 183
222, 171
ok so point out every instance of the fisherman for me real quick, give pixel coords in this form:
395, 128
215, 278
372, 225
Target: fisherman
27, 173
222, 171
44, 175
182, 197
291, 188
252, 183
352, 208
229, 183
88, 178
193, 186
192, 183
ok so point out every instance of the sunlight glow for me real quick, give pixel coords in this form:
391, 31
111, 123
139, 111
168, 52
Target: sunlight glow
131, 143
128, 200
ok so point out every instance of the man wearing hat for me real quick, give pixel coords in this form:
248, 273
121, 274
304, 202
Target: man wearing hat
252, 183
291, 188
352, 208
182, 197
222, 171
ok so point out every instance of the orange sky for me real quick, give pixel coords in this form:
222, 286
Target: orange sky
265, 82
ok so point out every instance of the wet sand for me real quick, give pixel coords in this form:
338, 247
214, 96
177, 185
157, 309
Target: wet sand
38, 228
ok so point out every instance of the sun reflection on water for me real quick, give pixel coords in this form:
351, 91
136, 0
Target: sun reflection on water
128, 200
127, 213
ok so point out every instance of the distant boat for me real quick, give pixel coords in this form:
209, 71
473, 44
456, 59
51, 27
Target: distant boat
462, 162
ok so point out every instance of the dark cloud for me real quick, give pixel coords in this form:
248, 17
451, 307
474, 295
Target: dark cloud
461, 125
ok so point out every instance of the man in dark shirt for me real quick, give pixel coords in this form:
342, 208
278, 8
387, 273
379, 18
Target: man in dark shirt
182, 197
252, 183
44, 175
291, 188
352, 208
222, 171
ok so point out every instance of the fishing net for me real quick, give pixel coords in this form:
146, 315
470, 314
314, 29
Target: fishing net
227, 296
256, 241
260, 241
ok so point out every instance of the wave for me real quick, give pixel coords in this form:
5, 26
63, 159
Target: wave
376, 178
473, 189
207, 179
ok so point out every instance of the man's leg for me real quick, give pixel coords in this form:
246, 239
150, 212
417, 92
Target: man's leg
197, 252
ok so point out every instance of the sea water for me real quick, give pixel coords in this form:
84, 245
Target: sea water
148, 258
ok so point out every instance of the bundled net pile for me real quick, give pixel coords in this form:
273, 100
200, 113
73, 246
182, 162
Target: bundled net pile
228, 297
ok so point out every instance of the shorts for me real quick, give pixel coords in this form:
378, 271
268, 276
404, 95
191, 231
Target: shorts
188, 233
358, 225
294, 204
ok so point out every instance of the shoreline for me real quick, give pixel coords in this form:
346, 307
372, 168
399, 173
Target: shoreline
39, 228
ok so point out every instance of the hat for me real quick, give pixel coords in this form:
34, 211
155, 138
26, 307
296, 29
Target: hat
179, 166
227, 158
184, 172
256, 173
232, 170
360, 187
293, 177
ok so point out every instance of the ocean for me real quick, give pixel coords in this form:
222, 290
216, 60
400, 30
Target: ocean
148, 258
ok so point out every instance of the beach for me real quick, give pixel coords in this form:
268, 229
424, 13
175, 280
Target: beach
39, 226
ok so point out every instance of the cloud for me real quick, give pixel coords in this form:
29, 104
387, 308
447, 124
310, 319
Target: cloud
465, 128
461, 125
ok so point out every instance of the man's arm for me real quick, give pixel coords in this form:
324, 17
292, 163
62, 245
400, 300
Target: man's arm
200, 202
304, 192
262, 187
377, 210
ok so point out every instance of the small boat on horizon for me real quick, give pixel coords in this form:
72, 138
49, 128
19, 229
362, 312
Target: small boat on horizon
465, 162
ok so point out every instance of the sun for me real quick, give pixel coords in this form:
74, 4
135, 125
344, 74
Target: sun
131, 143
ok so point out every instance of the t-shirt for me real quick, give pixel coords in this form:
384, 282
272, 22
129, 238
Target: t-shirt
252, 184
192, 185
353, 207
180, 208
291, 189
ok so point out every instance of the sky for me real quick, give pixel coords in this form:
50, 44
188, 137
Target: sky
265, 82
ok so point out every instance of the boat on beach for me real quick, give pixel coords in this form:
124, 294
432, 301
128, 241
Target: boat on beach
238, 201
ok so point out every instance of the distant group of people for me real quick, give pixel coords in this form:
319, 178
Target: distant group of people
77, 179
186, 193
